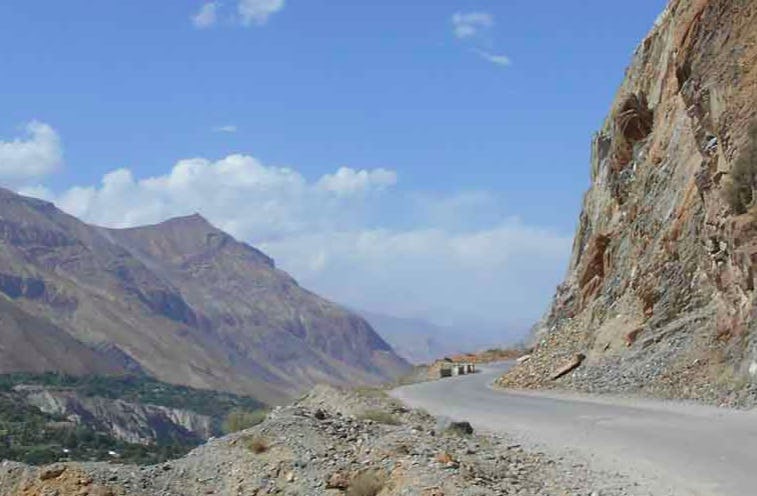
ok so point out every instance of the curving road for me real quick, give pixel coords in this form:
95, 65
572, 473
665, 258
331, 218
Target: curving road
669, 448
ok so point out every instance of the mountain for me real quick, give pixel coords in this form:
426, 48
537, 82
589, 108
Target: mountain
420, 341
416, 340
660, 292
180, 301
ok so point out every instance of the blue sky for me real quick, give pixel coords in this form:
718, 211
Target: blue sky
466, 117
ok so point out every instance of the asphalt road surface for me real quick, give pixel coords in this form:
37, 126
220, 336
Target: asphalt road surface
669, 448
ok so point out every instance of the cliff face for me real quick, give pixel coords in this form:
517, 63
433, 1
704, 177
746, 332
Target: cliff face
130, 422
180, 301
659, 294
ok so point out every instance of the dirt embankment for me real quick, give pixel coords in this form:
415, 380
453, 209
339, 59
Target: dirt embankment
330, 442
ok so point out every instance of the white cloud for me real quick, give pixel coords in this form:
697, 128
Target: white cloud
445, 257
239, 193
227, 128
501, 60
471, 24
504, 273
348, 181
37, 154
258, 11
207, 16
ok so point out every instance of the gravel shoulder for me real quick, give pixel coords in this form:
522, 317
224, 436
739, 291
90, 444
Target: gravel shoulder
666, 448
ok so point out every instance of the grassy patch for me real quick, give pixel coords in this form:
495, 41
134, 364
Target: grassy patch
371, 392
380, 417
239, 420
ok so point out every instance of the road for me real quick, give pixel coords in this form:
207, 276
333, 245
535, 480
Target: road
669, 448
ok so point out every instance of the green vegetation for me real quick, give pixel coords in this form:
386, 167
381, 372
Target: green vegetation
139, 389
739, 191
239, 420
29, 435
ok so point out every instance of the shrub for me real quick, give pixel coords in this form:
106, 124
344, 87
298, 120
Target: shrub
739, 191
371, 392
459, 429
239, 420
368, 483
379, 416
256, 444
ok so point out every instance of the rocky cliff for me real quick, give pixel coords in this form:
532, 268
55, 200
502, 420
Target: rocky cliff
659, 296
130, 422
180, 301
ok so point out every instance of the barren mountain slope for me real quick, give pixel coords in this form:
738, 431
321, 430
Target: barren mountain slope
36, 345
181, 301
660, 291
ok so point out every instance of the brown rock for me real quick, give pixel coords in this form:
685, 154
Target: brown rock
569, 367
632, 336
338, 480
51, 473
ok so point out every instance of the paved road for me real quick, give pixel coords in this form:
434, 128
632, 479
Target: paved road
671, 448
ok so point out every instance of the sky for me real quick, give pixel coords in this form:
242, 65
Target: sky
415, 158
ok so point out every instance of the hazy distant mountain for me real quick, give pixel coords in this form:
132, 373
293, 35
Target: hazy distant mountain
420, 341
415, 340
181, 301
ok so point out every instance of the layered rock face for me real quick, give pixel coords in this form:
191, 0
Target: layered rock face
129, 422
180, 301
660, 290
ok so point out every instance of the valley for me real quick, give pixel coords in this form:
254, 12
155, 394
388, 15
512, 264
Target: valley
147, 352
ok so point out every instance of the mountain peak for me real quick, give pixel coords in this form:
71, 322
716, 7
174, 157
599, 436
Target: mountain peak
193, 220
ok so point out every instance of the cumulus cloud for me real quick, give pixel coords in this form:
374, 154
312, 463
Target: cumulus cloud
501, 60
448, 257
242, 195
258, 11
33, 156
207, 16
502, 274
471, 24
346, 181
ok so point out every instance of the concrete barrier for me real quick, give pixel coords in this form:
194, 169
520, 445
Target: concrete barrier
451, 369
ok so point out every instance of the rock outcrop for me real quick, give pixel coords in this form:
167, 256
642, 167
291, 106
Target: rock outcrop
130, 422
660, 290
180, 301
